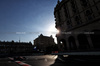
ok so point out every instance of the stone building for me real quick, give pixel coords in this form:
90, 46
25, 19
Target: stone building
15, 48
42, 42
79, 24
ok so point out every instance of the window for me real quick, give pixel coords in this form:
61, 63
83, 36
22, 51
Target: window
89, 14
96, 1
78, 20
66, 11
84, 3
74, 7
59, 16
69, 24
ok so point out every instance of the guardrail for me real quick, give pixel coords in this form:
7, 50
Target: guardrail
77, 53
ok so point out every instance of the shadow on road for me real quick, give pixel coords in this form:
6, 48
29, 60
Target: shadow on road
58, 63
78, 61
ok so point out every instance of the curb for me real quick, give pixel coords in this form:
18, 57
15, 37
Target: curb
22, 64
19, 62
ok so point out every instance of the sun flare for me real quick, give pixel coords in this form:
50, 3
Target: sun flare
53, 30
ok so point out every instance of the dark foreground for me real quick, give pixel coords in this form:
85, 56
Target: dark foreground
51, 60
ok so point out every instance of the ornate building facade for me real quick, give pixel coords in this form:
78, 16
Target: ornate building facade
42, 42
79, 24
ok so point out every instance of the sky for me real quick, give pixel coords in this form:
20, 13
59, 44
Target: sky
25, 20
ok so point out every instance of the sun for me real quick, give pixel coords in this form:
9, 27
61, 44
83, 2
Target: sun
53, 30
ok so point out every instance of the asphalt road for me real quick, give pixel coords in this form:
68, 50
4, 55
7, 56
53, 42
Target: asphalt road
7, 62
54, 60
44, 60
51, 60
41, 60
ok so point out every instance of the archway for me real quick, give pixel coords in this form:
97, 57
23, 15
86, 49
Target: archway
63, 46
83, 42
72, 43
96, 39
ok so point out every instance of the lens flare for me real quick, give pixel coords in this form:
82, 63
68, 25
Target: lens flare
53, 30
57, 31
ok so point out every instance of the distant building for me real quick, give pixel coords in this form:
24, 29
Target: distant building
15, 48
79, 24
42, 42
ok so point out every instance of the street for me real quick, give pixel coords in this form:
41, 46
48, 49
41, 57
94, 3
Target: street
49, 60
43, 60
7, 62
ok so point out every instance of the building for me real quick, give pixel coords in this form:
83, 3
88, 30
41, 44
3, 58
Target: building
42, 42
15, 48
79, 24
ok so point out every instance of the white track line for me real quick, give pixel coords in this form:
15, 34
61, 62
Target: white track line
19, 62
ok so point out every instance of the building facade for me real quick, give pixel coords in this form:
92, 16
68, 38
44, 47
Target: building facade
79, 24
15, 48
42, 42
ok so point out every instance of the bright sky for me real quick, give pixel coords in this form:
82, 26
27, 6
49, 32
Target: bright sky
26, 19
